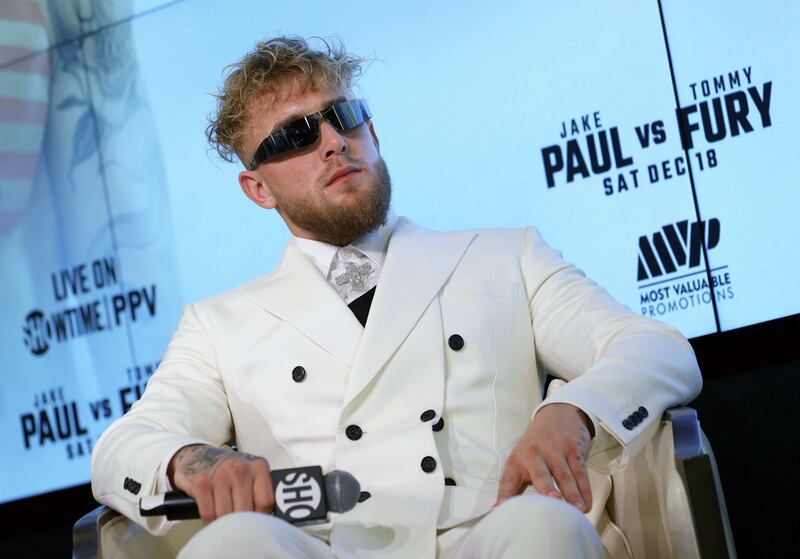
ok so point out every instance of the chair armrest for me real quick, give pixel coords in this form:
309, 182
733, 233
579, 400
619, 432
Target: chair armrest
697, 468
668, 501
86, 532
686, 433
104, 533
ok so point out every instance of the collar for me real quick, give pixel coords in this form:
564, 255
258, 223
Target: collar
373, 245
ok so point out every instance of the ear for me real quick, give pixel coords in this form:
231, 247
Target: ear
374, 136
255, 188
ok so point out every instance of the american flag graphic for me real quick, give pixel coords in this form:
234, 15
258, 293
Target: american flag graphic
24, 89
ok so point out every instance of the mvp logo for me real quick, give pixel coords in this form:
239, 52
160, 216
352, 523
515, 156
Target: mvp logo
675, 246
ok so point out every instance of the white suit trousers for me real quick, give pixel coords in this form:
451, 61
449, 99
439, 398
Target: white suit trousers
527, 526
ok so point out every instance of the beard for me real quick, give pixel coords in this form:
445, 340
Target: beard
341, 224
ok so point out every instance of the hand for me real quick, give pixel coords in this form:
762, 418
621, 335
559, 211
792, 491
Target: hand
552, 450
222, 480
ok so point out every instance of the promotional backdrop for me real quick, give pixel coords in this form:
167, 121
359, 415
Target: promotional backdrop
652, 142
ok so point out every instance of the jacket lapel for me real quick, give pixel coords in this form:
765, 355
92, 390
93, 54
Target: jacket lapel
418, 263
297, 293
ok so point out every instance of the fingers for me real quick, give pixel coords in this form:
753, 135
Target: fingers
241, 486
512, 483
235, 484
551, 455
223, 503
565, 478
201, 491
542, 480
263, 497
577, 464
555, 477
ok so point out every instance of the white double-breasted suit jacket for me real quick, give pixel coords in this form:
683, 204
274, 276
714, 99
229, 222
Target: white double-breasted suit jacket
520, 311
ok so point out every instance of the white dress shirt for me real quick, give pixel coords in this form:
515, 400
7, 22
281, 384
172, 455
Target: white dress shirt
331, 260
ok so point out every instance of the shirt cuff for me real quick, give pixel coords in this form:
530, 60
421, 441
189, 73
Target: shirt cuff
162, 483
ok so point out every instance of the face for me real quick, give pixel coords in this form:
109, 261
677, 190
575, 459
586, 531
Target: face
335, 190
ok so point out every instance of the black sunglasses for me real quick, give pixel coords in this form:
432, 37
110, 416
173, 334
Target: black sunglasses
300, 133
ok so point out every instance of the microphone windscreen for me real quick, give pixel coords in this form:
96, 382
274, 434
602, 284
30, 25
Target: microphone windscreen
341, 491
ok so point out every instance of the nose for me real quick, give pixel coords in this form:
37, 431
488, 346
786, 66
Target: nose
331, 140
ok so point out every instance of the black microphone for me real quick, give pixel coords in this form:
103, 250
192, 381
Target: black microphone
302, 496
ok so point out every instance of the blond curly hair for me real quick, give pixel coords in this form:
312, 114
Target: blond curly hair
263, 71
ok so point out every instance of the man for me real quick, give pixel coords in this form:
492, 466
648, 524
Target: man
428, 388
